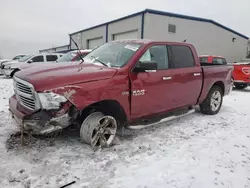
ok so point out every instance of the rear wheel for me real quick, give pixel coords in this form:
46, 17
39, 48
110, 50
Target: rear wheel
212, 104
240, 85
98, 130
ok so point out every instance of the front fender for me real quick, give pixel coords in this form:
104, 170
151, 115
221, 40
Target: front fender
85, 94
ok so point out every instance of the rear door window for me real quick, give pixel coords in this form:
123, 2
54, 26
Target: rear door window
51, 57
181, 56
38, 58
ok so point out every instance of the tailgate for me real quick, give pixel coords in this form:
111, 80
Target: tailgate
241, 73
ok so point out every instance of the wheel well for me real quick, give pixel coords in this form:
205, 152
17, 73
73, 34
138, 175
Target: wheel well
13, 72
108, 107
221, 85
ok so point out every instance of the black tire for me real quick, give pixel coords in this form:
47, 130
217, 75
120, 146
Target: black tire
206, 106
240, 85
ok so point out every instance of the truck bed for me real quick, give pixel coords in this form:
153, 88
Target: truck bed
214, 73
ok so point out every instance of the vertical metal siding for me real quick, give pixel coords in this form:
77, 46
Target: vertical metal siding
206, 37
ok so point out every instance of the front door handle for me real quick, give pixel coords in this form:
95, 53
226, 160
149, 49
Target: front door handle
197, 74
166, 78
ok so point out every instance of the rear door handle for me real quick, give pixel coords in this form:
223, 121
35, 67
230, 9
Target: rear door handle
166, 78
197, 74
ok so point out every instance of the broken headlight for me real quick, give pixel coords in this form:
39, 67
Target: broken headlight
51, 100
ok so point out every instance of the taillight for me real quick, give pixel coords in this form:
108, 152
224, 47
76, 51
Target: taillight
246, 70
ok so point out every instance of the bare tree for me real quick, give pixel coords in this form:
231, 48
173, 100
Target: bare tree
248, 49
248, 55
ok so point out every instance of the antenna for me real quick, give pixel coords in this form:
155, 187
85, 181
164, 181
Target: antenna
77, 49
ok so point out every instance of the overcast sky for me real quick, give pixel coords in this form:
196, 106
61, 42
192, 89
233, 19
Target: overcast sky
29, 25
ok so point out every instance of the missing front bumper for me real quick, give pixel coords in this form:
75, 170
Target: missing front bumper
44, 126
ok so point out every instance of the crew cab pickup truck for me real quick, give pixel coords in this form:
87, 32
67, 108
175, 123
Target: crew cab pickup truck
241, 74
125, 83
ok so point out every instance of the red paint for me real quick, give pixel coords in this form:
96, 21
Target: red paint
93, 83
210, 58
84, 53
241, 73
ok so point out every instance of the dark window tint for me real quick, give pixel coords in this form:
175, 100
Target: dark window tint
171, 28
203, 59
181, 56
51, 57
157, 54
37, 59
221, 61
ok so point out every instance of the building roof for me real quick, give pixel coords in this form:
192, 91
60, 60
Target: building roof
151, 11
55, 47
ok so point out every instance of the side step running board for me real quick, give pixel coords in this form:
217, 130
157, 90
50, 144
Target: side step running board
161, 121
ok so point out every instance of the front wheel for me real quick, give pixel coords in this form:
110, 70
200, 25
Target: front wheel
98, 130
212, 104
240, 85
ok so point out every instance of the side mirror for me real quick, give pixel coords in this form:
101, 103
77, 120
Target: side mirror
30, 61
146, 66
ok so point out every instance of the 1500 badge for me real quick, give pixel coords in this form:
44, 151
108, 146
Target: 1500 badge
135, 92
139, 92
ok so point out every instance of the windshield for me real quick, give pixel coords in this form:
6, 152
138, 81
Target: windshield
113, 54
67, 57
18, 57
25, 58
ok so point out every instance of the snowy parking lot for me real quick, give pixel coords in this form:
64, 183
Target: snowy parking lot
195, 151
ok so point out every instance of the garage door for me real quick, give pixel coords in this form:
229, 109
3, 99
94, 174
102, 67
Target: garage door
126, 35
92, 43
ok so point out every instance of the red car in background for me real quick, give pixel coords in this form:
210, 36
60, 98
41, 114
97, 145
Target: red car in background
213, 59
74, 55
241, 74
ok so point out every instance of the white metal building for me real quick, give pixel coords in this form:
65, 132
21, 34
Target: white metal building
208, 36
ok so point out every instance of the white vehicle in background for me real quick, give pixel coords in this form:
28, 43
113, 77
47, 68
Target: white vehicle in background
72, 56
18, 56
10, 68
14, 58
3, 61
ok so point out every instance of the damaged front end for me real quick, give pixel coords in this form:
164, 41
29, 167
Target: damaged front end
45, 122
40, 113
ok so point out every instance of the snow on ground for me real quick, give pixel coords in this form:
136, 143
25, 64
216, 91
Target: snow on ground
195, 151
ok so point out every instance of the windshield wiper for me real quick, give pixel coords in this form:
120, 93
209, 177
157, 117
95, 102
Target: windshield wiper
99, 61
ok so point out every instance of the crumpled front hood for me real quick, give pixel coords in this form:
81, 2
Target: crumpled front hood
50, 76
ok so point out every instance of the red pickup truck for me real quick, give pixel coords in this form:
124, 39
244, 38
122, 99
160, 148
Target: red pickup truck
241, 74
219, 60
120, 84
